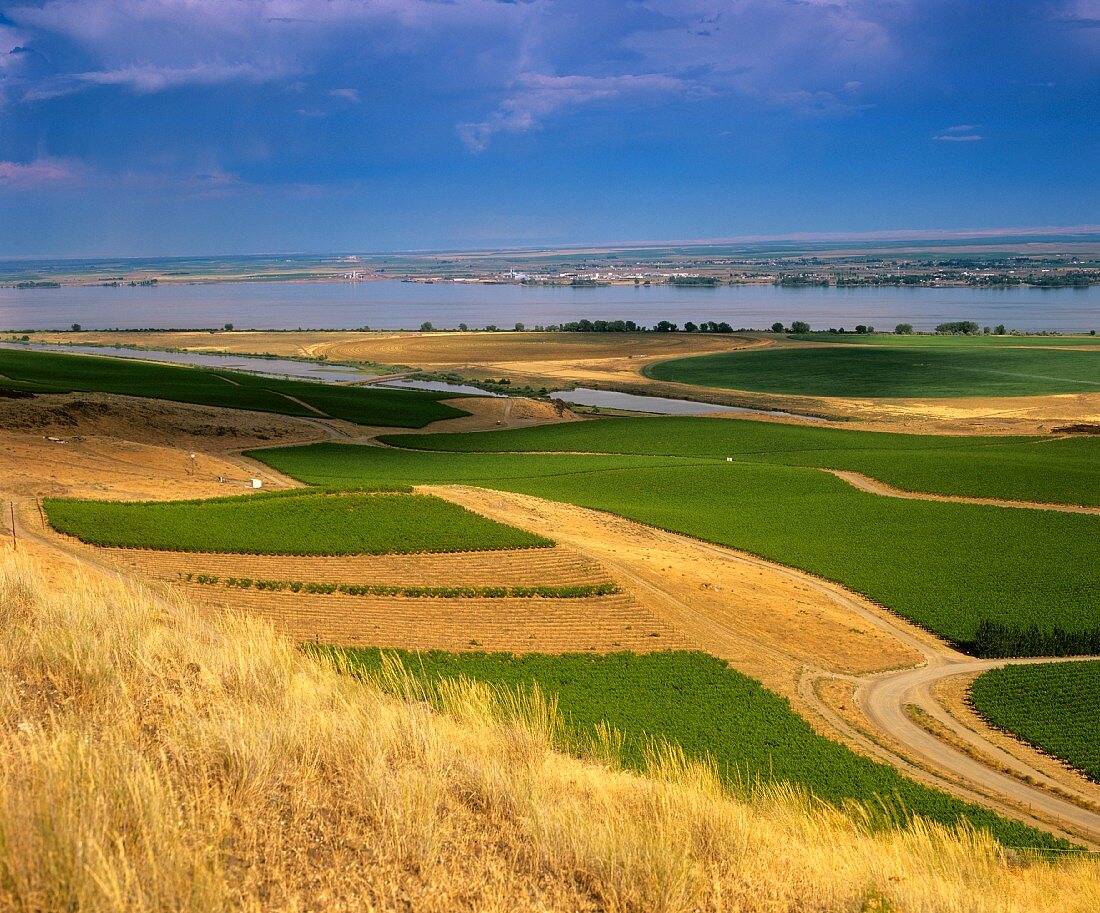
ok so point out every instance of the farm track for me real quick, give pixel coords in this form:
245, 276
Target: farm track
883, 697
875, 487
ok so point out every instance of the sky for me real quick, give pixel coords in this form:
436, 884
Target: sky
177, 127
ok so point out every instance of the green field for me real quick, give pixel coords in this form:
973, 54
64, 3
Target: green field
945, 566
698, 703
1059, 471
891, 371
949, 341
47, 372
1053, 706
306, 523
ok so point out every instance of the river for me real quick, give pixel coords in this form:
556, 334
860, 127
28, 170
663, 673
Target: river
406, 305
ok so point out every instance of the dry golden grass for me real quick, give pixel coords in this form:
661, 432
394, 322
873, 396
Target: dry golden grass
152, 759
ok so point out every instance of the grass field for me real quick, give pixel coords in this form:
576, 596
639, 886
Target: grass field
950, 341
891, 371
1054, 706
945, 566
307, 523
698, 703
47, 372
1065, 471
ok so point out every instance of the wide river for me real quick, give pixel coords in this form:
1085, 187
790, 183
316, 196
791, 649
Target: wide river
406, 305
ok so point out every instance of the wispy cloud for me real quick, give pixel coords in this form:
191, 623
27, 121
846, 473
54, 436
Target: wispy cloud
37, 174
536, 96
346, 94
960, 133
148, 79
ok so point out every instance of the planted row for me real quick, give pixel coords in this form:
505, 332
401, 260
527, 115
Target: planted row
996, 640
1053, 706
578, 591
308, 522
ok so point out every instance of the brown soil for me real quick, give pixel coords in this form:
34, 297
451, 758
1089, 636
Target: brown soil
521, 567
766, 624
149, 421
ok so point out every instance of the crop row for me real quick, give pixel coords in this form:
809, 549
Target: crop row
699, 704
599, 623
945, 566
1053, 706
606, 588
555, 566
309, 523
994, 639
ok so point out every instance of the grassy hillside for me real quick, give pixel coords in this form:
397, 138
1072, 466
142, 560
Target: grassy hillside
891, 371
1054, 706
47, 372
946, 566
303, 523
709, 711
170, 760
1065, 471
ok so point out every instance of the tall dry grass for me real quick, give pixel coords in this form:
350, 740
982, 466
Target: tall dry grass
154, 759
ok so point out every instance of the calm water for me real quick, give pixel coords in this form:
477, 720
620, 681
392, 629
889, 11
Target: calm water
398, 305
269, 367
631, 402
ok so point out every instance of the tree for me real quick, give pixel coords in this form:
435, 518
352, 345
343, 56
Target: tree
690, 327
664, 326
519, 328
861, 328
76, 328
904, 329
958, 327
999, 330
426, 327
463, 327
800, 326
228, 328
777, 327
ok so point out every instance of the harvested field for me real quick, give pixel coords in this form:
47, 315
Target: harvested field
555, 566
598, 624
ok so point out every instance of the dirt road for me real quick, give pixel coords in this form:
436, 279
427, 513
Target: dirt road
794, 632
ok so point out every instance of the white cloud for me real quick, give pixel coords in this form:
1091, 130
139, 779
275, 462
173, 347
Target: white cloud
346, 94
535, 96
958, 138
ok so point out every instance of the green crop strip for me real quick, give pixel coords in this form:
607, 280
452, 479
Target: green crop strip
891, 371
1062, 471
579, 591
48, 372
302, 523
948, 567
698, 703
1053, 706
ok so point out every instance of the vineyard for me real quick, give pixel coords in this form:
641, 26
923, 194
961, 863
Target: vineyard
1063, 471
302, 523
948, 567
698, 703
1053, 706
48, 372
895, 371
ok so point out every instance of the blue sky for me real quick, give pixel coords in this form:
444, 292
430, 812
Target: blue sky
148, 127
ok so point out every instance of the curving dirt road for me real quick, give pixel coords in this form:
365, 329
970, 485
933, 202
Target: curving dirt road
875, 487
791, 634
